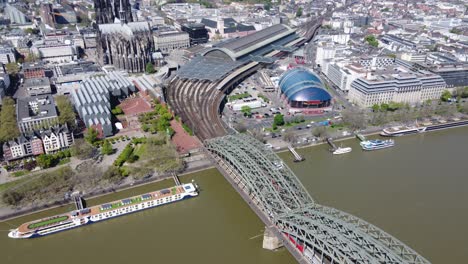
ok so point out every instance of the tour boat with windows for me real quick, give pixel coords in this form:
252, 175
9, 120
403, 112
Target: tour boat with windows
376, 144
103, 212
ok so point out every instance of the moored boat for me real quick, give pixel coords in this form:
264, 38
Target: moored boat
376, 144
103, 212
341, 150
402, 130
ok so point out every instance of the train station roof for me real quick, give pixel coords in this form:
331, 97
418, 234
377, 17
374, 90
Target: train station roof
207, 68
239, 47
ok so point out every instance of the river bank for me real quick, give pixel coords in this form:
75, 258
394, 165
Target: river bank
9, 213
214, 227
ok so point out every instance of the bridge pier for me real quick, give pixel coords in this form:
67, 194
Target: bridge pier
270, 240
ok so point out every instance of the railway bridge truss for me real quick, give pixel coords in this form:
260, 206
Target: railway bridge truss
319, 234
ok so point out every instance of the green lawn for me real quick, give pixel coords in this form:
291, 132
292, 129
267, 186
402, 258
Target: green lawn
64, 161
8, 185
48, 222
238, 96
20, 173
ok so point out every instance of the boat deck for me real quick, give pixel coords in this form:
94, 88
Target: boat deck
97, 209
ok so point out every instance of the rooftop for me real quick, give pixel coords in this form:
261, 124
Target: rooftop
41, 106
34, 82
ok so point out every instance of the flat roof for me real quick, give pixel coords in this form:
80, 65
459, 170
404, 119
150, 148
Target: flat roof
207, 68
245, 42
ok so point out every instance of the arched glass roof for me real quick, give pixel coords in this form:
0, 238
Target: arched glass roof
300, 84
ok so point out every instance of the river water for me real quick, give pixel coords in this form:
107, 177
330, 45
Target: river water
416, 191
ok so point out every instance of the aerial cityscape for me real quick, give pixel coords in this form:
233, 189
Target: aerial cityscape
325, 131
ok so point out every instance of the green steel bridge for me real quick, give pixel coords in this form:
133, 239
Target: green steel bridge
316, 233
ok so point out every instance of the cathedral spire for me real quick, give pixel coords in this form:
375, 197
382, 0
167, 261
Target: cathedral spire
122, 17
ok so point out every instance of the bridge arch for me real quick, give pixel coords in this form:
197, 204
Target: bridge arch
335, 235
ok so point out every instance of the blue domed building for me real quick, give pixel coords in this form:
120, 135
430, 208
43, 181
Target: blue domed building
303, 89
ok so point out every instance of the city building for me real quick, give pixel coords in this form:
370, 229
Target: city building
454, 74
35, 113
22, 147
149, 85
69, 76
168, 39
15, 16
198, 34
304, 91
33, 70
56, 138
38, 142
126, 46
227, 28
93, 99
343, 74
7, 55
37, 86
55, 51
403, 87
413, 57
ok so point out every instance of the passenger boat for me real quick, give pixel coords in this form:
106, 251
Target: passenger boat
376, 144
103, 212
402, 130
341, 150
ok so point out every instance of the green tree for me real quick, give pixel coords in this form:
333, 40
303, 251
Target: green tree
247, 110
299, 12
376, 108
372, 40
45, 161
12, 68
106, 148
446, 95
66, 111
117, 110
8, 126
278, 120
150, 68
384, 107
91, 135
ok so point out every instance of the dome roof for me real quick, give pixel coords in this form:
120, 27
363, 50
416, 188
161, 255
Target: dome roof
300, 84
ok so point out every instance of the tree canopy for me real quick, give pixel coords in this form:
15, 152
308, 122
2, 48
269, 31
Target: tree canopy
278, 120
150, 68
446, 95
12, 68
107, 148
91, 135
66, 112
372, 40
247, 110
299, 12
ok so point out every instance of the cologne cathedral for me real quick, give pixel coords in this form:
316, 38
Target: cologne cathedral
122, 43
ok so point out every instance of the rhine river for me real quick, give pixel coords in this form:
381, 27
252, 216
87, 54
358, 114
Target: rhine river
416, 191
